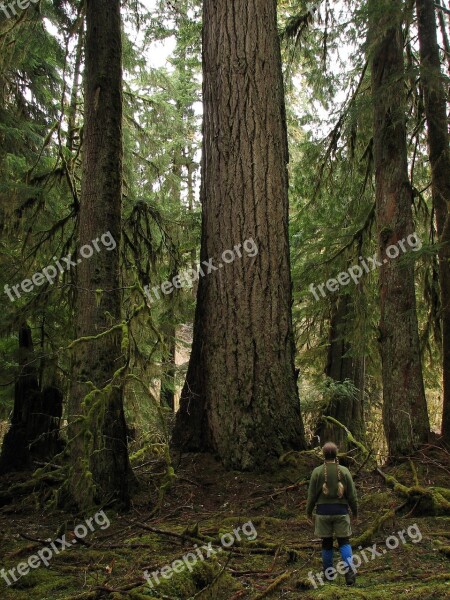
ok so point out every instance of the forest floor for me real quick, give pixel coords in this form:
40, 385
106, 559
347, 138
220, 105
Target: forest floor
204, 503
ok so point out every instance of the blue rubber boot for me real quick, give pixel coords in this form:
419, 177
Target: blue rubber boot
347, 556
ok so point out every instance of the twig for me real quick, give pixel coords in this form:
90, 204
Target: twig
364, 462
181, 536
278, 581
33, 539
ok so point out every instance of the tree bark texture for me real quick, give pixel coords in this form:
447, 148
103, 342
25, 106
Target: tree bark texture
240, 397
405, 413
343, 366
100, 465
438, 143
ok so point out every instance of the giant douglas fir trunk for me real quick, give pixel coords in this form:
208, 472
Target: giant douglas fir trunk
405, 413
240, 397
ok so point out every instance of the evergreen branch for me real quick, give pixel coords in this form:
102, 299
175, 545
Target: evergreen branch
357, 236
335, 134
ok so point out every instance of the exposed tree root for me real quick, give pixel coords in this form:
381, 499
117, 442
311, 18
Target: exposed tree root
430, 500
285, 458
22, 489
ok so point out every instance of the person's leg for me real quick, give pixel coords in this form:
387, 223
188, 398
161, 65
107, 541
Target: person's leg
327, 553
345, 550
324, 530
343, 532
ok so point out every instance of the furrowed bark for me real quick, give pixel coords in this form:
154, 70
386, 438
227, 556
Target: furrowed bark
438, 143
405, 413
99, 454
240, 398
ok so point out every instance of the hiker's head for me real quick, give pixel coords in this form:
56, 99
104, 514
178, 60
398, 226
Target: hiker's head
330, 451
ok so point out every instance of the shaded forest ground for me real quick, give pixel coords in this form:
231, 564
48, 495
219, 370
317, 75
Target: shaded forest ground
204, 502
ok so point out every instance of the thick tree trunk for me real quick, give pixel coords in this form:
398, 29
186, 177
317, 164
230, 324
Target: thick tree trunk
438, 143
99, 453
405, 413
342, 366
240, 398
34, 430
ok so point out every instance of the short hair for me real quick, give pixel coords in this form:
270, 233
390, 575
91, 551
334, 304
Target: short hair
330, 451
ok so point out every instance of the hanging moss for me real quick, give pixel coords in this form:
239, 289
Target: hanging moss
90, 338
98, 297
125, 344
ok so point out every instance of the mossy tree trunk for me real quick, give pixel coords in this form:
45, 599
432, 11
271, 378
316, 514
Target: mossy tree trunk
99, 454
343, 365
405, 413
438, 142
240, 397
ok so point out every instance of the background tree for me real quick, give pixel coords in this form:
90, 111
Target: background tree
99, 453
34, 431
346, 402
435, 106
332, 217
36, 207
405, 413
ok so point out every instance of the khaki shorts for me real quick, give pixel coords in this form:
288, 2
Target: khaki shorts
329, 525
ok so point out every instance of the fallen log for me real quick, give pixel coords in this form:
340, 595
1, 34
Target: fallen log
429, 500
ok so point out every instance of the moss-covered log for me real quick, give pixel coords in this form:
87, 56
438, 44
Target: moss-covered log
426, 500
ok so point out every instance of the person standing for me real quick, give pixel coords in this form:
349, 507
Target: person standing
332, 492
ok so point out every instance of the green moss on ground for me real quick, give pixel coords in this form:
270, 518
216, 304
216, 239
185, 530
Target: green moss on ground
208, 501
